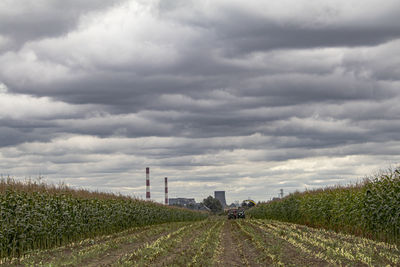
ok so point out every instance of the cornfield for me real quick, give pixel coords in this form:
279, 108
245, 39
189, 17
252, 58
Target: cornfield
37, 216
370, 209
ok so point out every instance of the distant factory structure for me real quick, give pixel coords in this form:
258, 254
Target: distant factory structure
189, 203
166, 190
180, 201
183, 202
220, 195
192, 204
147, 183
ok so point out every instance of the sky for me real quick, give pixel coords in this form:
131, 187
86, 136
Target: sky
249, 97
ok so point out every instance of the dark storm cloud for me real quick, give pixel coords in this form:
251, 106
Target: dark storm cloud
11, 136
197, 72
25, 20
14, 132
226, 91
241, 30
262, 35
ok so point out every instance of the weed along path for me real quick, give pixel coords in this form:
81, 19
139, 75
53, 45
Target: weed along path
219, 242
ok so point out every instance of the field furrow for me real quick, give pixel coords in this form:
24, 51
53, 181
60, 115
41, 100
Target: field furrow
219, 242
197, 248
330, 247
120, 247
230, 251
358, 249
204, 247
306, 247
251, 253
153, 251
98, 251
383, 252
283, 251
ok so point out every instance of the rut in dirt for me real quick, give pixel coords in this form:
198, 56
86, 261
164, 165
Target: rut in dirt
237, 249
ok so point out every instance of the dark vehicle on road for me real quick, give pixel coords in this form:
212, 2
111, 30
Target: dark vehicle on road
241, 214
232, 214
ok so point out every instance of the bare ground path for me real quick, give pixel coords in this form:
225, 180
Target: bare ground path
219, 242
231, 254
239, 249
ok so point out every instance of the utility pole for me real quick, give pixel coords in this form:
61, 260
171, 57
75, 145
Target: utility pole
147, 183
166, 190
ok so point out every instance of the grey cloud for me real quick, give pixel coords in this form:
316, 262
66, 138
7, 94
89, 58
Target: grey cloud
12, 133
25, 21
382, 64
293, 88
262, 36
206, 94
132, 126
239, 30
11, 137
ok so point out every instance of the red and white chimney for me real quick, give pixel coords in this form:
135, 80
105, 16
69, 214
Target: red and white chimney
147, 183
166, 190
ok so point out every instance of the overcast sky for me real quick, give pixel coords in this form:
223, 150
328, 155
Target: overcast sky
242, 96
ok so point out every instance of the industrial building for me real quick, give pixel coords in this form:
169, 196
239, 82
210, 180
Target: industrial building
183, 202
220, 195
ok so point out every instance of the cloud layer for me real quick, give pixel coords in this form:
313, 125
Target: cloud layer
216, 95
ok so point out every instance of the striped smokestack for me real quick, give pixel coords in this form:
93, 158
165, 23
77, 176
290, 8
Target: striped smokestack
147, 183
166, 190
